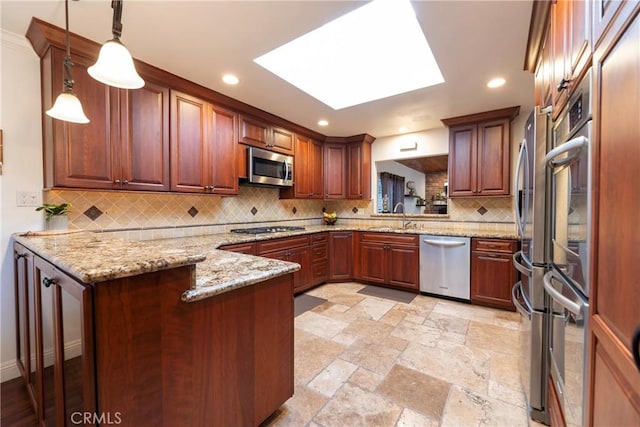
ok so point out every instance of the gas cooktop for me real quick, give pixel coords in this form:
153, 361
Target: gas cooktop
262, 230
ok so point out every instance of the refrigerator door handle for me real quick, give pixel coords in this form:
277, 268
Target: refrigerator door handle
516, 292
579, 309
578, 144
523, 158
521, 267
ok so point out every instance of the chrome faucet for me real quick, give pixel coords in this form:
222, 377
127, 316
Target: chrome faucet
405, 223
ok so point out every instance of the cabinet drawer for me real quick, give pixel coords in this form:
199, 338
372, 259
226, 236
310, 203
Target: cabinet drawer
319, 252
319, 238
279, 244
494, 245
407, 239
320, 270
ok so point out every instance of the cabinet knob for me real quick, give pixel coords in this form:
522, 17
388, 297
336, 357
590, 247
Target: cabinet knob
126, 181
564, 83
117, 181
48, 282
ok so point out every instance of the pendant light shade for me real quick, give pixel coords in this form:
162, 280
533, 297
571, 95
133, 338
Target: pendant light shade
68, 108
114, 66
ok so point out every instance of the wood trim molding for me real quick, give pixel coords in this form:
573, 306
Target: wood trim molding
503, 113
540, 13
363, 137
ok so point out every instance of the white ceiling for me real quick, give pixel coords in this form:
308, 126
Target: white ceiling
473, 41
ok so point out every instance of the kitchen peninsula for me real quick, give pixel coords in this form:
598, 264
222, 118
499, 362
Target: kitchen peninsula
151, 333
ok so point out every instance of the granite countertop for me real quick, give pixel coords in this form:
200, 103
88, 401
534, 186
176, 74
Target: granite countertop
97, 257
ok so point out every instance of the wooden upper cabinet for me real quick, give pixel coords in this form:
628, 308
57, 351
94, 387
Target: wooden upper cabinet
189, 119
307, 171
335, 169
124, 146
480, 153
203, 146
462, 160
144, 136
359, 170
79, 155
223, 130
260, 134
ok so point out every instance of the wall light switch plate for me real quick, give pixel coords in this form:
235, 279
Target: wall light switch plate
28, 198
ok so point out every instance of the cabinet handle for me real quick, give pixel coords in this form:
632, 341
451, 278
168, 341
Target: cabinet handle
117, 181
18, 256
564, 83
48, 282
126, 181
636, 347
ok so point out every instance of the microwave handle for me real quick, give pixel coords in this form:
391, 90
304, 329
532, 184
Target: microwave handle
572, 306
577, 144
286, 169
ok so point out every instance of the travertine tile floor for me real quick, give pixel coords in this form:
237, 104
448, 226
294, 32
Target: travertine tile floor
367, 361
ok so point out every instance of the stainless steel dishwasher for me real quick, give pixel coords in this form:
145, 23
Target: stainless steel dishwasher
445, 266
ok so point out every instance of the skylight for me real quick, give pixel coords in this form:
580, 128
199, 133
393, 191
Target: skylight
376, 51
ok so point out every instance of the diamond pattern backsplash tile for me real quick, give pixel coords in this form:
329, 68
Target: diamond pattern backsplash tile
482, 210
93, 213
128, 210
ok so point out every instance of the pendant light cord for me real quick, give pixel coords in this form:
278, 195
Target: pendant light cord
67, 63
116, 26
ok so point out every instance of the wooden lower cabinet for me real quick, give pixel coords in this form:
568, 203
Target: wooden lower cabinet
389, 259
241, 248
130, 351
492, 272
340, 255
319, 259
292, 249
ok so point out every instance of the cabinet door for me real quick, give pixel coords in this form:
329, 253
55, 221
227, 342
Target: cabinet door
373, 262
301, 183
493, 158
254, 132
355, 188
144, 138
315, 170
579, 36
300, 277
335, 169
492, 276
404, 266
189, 134
462, 160
282, 140
83, 154
65, 347
614, 381
560, 69
222, 151
25, 319
340, 255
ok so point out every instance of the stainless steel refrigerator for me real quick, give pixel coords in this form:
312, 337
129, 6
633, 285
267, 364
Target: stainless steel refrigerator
532, 205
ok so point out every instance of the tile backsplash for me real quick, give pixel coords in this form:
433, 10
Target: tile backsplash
202, 214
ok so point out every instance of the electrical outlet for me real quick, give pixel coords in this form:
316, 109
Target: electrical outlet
28, 198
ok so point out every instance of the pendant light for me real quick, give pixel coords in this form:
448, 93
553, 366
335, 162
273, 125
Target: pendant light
67, 106
114, 66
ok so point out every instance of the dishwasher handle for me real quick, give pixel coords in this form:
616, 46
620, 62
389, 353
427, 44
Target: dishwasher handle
443, 243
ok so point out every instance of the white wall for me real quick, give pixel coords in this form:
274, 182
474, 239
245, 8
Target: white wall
20, 120
433, 142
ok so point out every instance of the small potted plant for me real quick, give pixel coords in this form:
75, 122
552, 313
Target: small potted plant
55, 215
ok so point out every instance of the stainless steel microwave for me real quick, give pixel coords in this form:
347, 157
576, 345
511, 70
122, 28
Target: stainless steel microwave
269, 168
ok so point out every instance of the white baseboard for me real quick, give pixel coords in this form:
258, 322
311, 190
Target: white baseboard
9, 369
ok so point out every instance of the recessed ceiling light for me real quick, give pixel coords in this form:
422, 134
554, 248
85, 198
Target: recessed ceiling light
497, 82
323, 123
350, 60
230, 79
403, 129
